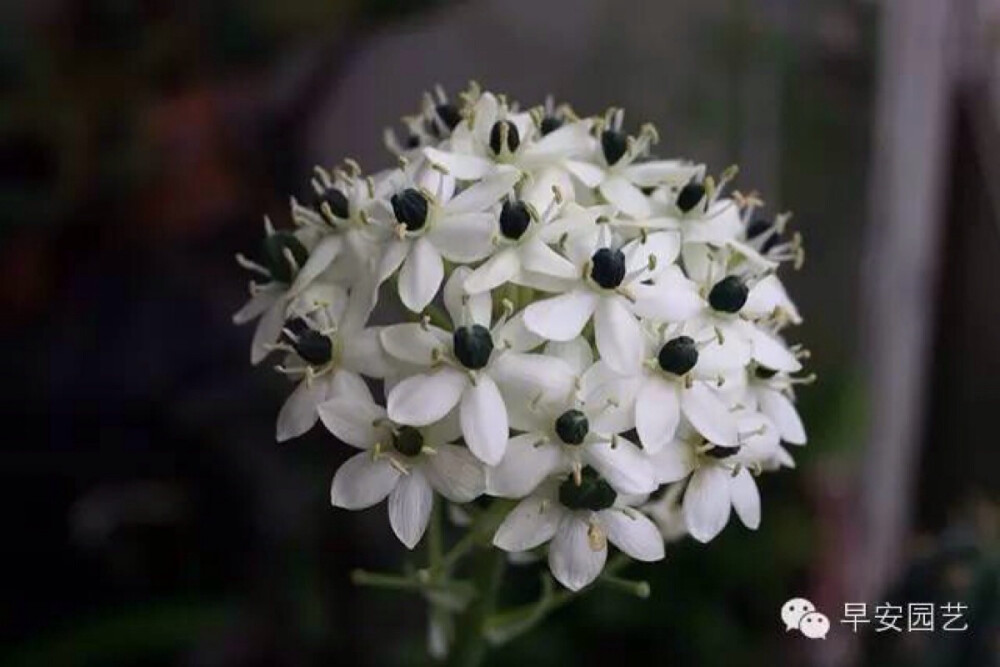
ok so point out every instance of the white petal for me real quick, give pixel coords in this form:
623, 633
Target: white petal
319, 259
329, 297
673, 463
362, 352
537, 191
746, 498
464, 167
495, 271
523, 466
268, 330
362, 482
576, 353
771, 352
697, 260
561, 317
423, 399
707, 502
444, 431
780, 410
662, 303
588, 174
466, 237
657, 413
464, 308
420, 276
532, 523
625, 196
298, 414
393, 254
258, 304
352, 420
483, 195
345, 383
573, 562
663, 172
767, 295
569, 139
455, 473
617, 335
413, 342
540, 258
432, 180
483, 416
715, 358
633, 533
484, 114
528, 375
709, 415
663, 246
610, 398
514, 335
625, 467
410, 506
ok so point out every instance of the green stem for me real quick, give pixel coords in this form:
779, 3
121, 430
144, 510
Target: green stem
435, 537
508, 624
470, 641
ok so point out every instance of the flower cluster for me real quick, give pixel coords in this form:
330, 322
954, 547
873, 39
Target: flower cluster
573, 324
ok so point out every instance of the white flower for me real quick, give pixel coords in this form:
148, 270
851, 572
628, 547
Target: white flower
667, 386
618, 176
606, 274
350, 244
329, 350
460, 368
579, 519
492, 137
430, 226
283, 255
401, 462
562, 434
589, 290
719, 478
737, 320
523, 254
771, 392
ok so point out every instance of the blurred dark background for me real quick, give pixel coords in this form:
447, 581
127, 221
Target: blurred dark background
149, 517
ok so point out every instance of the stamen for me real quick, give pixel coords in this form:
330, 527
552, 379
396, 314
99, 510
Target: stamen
251, 265
596, 537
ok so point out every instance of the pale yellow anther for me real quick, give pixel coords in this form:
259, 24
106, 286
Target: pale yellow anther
596, 537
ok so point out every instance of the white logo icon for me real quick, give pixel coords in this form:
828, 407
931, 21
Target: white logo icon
800, 614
